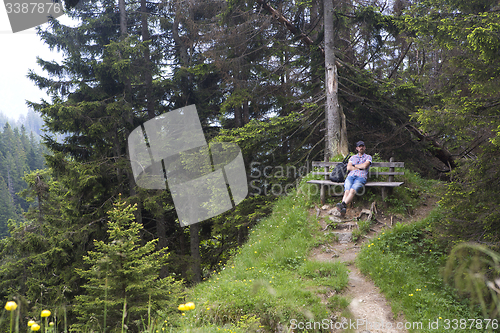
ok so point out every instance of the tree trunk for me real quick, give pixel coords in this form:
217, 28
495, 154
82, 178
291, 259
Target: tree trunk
148, 77
246, 113
238, 119
336, 134
180, 42
183, 45
123, 17
194, 234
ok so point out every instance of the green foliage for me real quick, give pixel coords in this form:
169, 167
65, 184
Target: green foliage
364, 226
39, 256
462, 112
470, 204
475, 269
252, 134
123, 283
268, 86
20, 152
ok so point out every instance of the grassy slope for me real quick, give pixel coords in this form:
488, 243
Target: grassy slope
407, 264
270, 281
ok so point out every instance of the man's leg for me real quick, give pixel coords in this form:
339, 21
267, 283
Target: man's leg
352, 185
357, 187
342, 206
349, 195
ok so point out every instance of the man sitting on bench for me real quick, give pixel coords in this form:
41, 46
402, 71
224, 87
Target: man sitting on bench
356, 179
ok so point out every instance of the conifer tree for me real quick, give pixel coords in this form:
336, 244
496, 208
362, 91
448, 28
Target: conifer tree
96, 109
122, 277
7, 209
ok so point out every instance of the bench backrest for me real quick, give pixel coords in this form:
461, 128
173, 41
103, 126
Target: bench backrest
372, 172
319, 164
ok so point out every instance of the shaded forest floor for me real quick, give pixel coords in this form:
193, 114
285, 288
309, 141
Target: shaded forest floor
367, 304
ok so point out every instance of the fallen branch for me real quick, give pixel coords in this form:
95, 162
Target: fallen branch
437, 149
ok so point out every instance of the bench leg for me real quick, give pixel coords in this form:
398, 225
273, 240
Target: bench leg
386, 191
322, 194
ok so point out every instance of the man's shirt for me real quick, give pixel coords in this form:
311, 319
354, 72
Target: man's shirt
355, 160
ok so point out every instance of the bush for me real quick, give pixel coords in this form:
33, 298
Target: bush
470, 205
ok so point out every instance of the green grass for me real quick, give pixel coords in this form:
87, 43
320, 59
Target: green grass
406, 264
270, 280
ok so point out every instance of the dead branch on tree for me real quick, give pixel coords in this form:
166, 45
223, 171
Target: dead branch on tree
280, 18
436, 148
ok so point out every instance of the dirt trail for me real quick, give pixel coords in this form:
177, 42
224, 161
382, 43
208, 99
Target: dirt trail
370, 311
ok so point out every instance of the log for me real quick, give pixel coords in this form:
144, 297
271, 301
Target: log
438, 150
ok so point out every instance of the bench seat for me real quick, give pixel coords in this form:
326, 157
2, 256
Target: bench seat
379, 184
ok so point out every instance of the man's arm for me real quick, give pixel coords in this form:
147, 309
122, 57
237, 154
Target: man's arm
351, 167
363, 166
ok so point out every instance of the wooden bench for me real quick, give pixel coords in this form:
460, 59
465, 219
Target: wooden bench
386, 186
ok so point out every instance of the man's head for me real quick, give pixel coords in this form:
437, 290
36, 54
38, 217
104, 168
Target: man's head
360, 147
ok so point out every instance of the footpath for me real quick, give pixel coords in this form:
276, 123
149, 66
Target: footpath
369, 311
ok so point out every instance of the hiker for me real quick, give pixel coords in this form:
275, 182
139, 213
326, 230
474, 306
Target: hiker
358, 174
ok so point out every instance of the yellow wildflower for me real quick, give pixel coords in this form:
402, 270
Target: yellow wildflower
45, 313
35, 327
10, 306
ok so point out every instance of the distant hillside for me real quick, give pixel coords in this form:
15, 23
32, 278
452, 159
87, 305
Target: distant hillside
32, 122
20, 152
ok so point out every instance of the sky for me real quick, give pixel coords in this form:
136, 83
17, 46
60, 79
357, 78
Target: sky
18, 54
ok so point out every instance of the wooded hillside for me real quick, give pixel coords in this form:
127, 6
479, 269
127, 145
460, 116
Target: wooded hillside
20, 153
417, 81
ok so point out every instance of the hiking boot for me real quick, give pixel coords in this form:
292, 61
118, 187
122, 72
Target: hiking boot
342, 208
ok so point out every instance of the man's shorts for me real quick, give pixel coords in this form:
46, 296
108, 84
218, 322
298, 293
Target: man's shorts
355, 182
